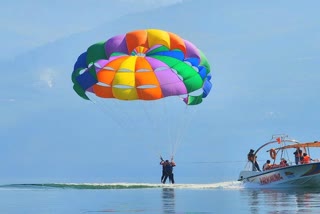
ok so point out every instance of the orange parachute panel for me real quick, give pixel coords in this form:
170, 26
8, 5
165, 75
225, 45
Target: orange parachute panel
106, 76
177, 43
143, 64
116, 63
103, 91
135, 39
146, 78
149, 93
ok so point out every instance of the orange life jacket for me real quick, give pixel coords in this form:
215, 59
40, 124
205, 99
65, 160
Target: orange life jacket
306, 159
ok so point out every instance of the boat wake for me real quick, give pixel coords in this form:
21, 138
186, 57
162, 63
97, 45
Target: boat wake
220, 185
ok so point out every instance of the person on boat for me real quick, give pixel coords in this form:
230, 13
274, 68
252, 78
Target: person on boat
305, 158
283, 163
253, 159
267, 165
168, 170
297, 155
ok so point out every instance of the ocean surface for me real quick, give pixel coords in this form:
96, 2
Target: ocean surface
225, 197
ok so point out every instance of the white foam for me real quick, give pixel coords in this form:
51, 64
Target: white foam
220, 185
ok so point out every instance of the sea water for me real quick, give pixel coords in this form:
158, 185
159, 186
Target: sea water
225, 197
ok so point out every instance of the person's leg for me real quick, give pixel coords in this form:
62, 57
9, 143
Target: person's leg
172, 178
164, 179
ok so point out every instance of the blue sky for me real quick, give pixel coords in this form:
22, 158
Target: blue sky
28, 24
265, 67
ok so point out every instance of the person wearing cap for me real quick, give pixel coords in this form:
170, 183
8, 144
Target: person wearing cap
251, 155
253, 159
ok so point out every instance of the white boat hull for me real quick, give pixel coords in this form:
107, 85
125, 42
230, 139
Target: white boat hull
305, 175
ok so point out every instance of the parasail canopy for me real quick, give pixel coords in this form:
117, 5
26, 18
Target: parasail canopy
143, 65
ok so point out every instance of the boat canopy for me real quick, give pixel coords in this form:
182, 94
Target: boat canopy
300, 145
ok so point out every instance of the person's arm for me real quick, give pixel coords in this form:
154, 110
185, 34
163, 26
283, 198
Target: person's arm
162, 161
173, 163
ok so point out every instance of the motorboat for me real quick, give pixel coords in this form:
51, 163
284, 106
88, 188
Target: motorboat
290, 164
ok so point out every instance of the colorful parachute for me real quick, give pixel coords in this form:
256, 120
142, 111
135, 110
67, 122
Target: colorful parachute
143, 65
